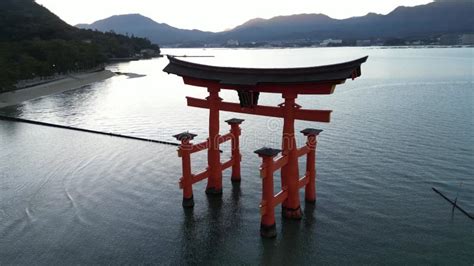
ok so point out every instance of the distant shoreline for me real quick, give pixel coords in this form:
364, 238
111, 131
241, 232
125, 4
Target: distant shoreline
322, 47
75, 81
68, 83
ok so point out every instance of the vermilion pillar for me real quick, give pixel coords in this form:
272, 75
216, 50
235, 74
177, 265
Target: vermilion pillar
214, 185
236, 156
310, 189
267, 207
186, 182
289, 172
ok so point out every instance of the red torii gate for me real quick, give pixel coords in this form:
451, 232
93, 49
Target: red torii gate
249, 83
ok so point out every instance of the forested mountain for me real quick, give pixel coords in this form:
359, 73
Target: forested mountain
142, 26
34, 42
441, 17
437, 18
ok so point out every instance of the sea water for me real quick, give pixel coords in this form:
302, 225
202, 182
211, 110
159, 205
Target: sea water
405, 126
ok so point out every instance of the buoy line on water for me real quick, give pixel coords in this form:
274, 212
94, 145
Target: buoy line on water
454, 203
21, 120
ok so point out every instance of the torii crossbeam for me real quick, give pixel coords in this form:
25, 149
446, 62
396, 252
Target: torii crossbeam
249, 83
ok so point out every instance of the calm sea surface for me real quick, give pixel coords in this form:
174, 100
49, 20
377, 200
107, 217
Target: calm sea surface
405, 126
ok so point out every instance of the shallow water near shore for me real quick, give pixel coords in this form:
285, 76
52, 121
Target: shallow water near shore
405, 126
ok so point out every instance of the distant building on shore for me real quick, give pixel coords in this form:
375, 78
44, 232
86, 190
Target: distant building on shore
233, 43
149, 53
363, 43
328, 42
467, 39
418, 42
449, 39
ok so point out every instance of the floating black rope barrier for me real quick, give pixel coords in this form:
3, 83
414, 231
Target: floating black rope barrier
453, 203
14, 119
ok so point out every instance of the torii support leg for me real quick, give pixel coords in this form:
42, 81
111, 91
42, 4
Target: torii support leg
267, 207
214, 185
236, 156
310, 188
186, 182
290, 173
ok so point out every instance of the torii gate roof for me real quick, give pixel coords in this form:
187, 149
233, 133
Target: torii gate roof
252, 77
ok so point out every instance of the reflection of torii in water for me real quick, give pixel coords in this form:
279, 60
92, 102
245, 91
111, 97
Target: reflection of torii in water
249, 83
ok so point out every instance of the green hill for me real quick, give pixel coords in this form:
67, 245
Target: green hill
36, 43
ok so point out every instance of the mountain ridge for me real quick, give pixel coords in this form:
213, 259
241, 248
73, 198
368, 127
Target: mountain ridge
436, 18
142, 26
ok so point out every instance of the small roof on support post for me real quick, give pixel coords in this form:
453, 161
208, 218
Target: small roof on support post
234, 121
185, 136
268, 152
311, 131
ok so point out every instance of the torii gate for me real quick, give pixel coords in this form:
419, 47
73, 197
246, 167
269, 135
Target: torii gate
249, 83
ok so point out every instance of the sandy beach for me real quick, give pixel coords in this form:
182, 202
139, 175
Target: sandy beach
69, 83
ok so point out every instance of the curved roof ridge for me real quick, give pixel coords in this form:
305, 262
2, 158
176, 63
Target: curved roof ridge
253, 76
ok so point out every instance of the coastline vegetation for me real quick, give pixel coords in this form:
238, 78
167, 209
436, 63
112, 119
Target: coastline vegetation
36, 43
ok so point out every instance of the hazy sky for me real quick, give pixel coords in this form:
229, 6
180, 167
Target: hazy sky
215, 15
